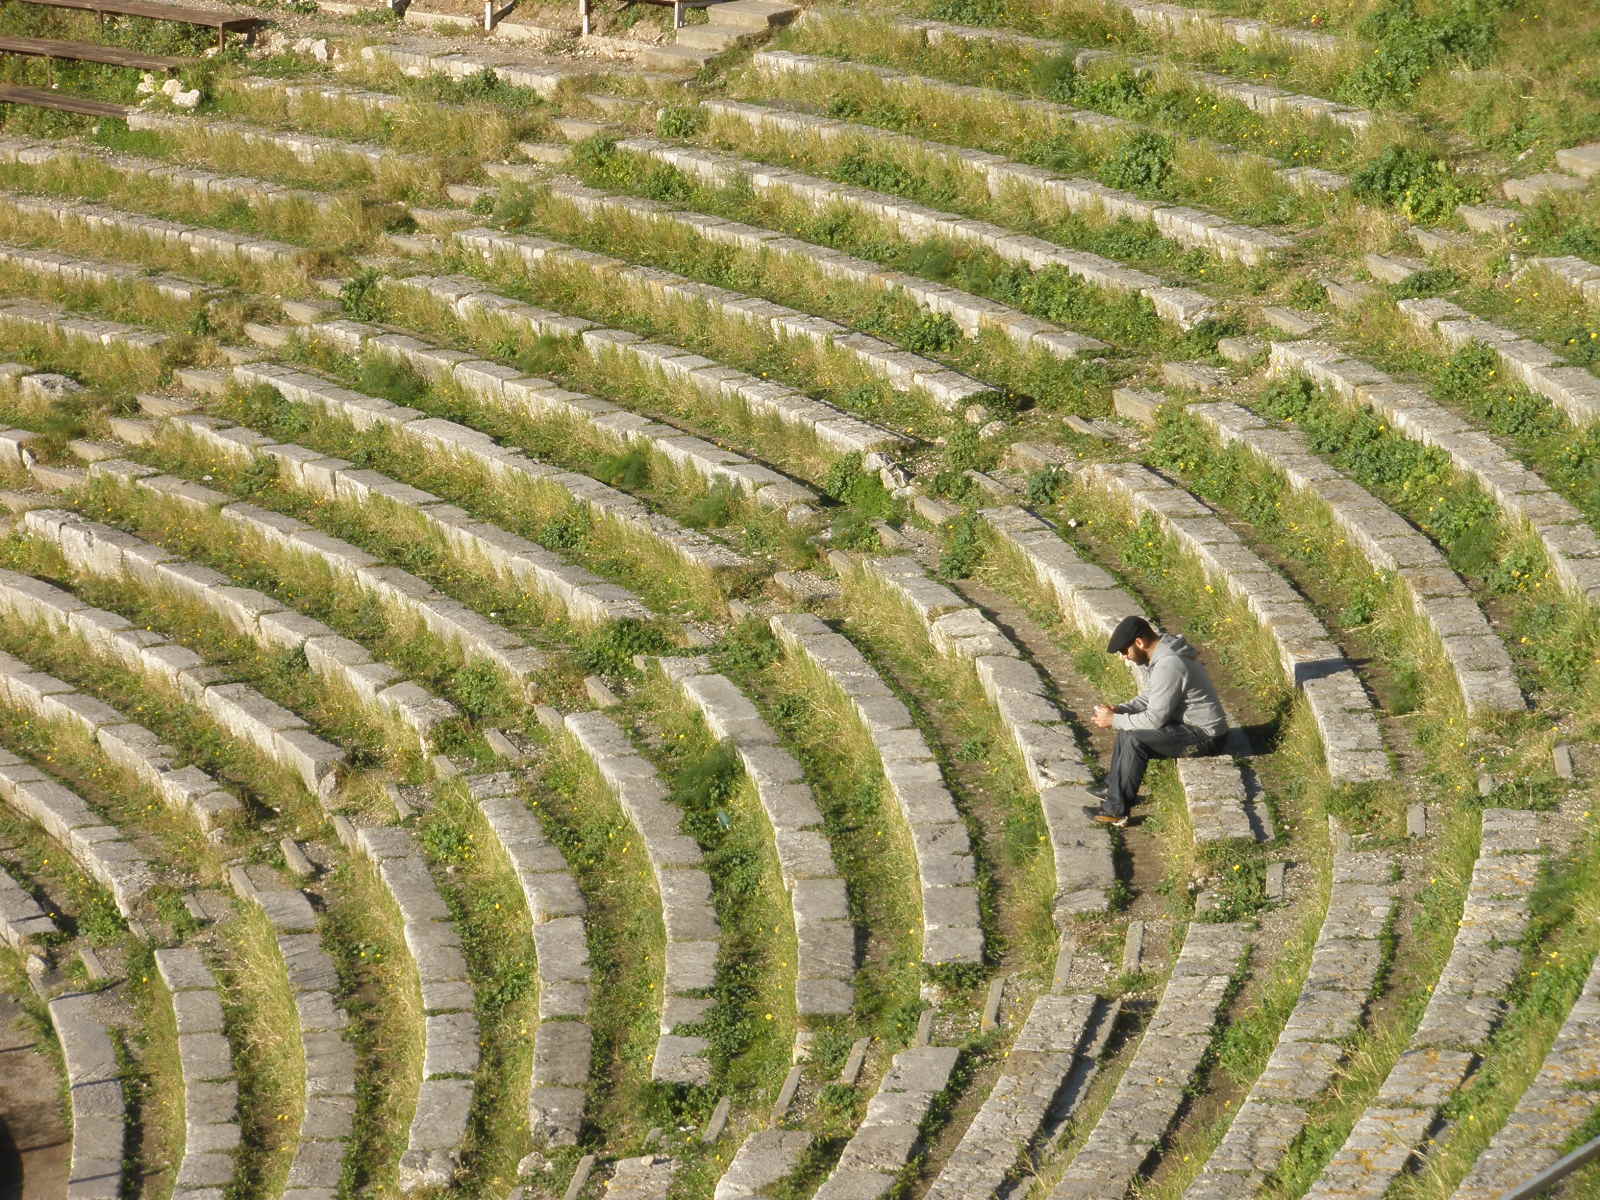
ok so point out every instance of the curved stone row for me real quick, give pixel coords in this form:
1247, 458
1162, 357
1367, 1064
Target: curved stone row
580, 592
883, 1142
205, 1060
310, 150
93, 549
296, 93
694, 937
786, 62
1258, 97
26, 152
467, 297
238, 708
763, 1159
906, 372
123, 742
1567, 537
564, 1042
420, 61
1579, 274
946, 873
825, 935
509, 388
1310, 1051
1053, 1056
327, 1121
1191, 227
449, 1024
1169, 19
22, 918
1463, 1009
194, 240
1477, 657
973, 314
1219, 800
1351, 740
1184, 307
105, 852
70, 327
1574, 390
73, 270
1154, 1086
1559, 1101
1038, 729
94, 1096
411, 598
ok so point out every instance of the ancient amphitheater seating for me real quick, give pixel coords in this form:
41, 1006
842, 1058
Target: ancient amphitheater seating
95, 1096
945, 873
327, 1123
889, 1133
693, 933
450, 1028
125, 743
1038, 729
210, 1090
105, 852
973, 314
826, 954
1352, 742
1221, 804
1479, 659
564, 1039
241, 710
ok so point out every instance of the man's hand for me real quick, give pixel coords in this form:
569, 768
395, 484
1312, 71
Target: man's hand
1102, 716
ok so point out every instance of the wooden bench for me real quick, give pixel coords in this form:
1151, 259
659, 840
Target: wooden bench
115, 56
43, 98
152, 10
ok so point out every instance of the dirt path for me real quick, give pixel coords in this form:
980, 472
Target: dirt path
35, 1146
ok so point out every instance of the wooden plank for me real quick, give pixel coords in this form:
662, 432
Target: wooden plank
154, 11
42, 98
89, 52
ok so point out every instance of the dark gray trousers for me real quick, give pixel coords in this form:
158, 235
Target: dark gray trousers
1136, 747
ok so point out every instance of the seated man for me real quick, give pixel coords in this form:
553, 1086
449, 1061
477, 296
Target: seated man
1176, 713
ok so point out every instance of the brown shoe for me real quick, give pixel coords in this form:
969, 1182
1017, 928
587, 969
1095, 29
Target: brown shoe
1105, 818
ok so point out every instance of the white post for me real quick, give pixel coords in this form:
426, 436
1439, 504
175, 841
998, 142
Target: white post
677, 14
488, 16
583, 7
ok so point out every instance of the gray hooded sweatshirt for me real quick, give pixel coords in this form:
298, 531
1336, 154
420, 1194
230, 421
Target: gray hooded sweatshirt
1177, 691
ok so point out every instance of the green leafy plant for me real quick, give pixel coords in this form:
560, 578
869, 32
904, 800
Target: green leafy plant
361, 297
681, 121
1143, 163
963, 547
610, 649
1416, 182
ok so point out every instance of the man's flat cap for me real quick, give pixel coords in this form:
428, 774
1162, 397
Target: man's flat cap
1128, 631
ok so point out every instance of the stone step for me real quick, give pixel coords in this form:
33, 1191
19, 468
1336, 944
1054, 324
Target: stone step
715, 38
674, 58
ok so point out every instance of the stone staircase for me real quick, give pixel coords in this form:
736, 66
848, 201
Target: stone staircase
731, 24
